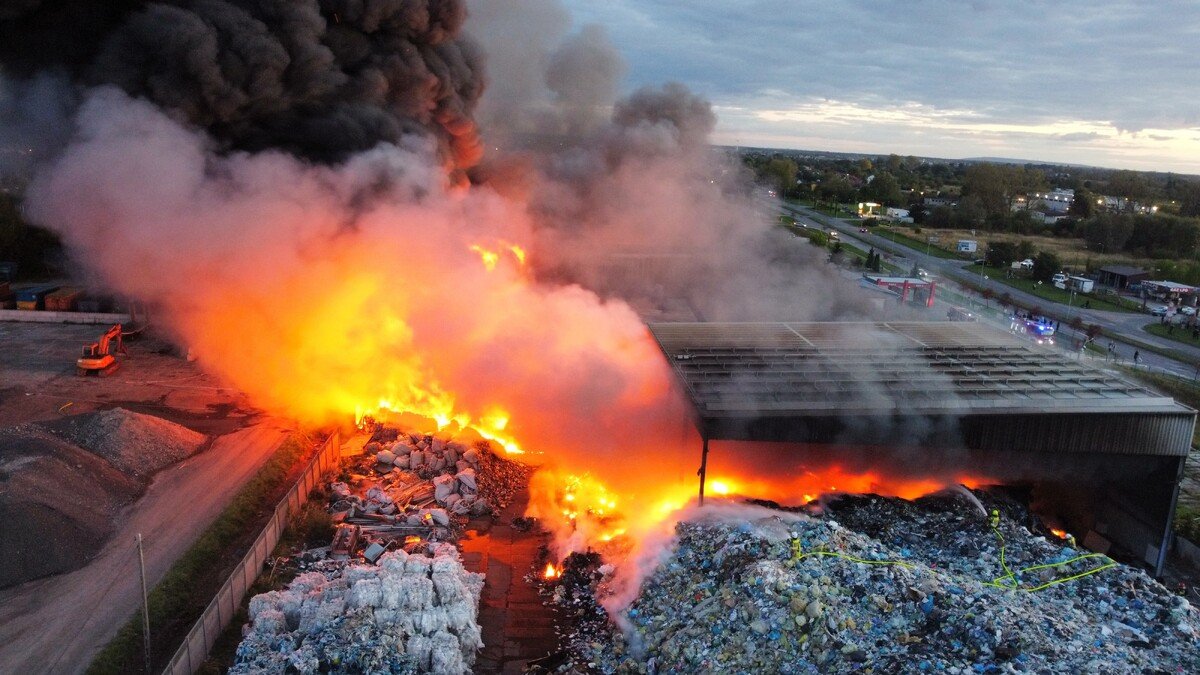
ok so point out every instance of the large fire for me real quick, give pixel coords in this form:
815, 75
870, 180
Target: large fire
324, 296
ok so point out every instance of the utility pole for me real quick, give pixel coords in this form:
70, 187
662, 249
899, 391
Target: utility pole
145, 601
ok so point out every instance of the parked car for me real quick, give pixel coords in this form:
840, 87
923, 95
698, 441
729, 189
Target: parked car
1160, 310
1190, 311
863, 230
960, 314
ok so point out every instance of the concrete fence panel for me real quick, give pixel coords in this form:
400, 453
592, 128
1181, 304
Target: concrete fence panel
224, 605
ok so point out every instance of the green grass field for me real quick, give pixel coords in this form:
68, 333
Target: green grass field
1050, 292
921, 245
1178, 333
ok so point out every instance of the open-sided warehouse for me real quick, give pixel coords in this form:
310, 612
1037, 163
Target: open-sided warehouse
1109, 452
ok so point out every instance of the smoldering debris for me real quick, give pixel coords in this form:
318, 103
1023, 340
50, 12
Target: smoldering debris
408, 613
883, 585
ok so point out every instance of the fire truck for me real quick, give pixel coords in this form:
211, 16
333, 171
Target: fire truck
1039, 330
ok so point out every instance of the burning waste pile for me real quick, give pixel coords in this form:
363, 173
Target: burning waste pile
875, 585
406, 486
390, 594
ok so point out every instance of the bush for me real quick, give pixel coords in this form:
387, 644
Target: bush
1187, 523
312, 526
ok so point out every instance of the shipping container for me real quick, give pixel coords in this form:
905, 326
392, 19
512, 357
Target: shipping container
63, 300
34, 297
88, 304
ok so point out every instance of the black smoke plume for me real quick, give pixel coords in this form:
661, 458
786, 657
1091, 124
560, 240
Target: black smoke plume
322, 79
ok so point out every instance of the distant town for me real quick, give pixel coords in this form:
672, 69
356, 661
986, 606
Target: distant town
1076, 219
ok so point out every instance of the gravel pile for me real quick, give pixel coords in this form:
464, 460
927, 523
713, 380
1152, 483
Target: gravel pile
137, 444
58, 504
882, 585
408, 614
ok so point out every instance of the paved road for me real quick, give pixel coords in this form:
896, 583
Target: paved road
1124, 326
58, 624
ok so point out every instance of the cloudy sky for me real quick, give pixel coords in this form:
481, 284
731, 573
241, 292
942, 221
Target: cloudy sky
1106, 83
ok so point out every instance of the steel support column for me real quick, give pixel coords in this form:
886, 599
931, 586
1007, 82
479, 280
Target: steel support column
1169, 526
703, 467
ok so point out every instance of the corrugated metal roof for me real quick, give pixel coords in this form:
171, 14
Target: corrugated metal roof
738, 373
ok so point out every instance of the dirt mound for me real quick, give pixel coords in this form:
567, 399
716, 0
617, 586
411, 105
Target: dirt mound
57, 504
134, 443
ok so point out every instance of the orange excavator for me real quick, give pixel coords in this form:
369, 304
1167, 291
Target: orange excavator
97, 359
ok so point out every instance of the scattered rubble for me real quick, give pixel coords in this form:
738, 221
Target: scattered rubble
135, 443
408, 613
880, 585
389, 595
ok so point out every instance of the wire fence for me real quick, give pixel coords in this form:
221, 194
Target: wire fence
220, 611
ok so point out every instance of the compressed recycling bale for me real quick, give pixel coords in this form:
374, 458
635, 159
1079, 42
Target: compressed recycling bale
270, 621
408, 612
434, 517
466, 480
431, 620
420, 648
385, 457
365, 593
326, 613
417, 564
376, 494
415, 592
472, 456
450, 588
263, 602
443, 487
393, 563
445, 655
416, 459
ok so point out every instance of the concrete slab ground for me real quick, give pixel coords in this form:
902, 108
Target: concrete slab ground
517, 627
38, 380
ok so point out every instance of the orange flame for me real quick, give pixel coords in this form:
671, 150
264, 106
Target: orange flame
1061, 534
584, 513
551, 572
